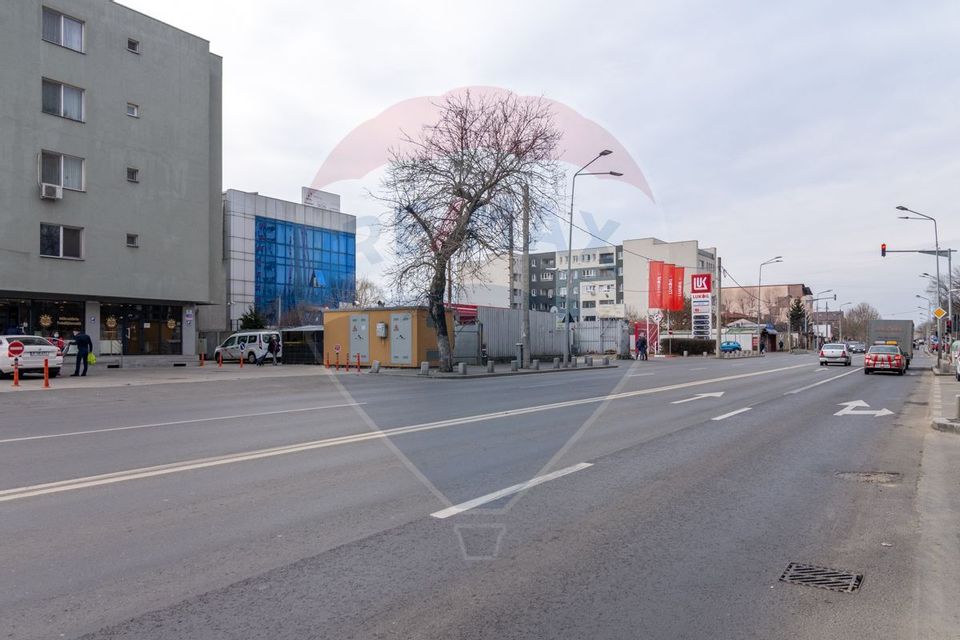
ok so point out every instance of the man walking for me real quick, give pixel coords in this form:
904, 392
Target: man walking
84, 347
642, 347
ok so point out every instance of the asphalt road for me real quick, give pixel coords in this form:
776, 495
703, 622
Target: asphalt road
363, 506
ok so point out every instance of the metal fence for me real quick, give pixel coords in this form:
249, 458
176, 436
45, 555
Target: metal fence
604, 335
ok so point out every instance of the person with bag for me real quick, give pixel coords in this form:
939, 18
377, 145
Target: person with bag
272, 348
84, 351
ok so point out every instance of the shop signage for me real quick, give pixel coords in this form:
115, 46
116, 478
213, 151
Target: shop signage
701, 305
46, 320
111, 322
171, 324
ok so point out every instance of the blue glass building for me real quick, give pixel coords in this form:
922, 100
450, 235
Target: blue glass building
299, 266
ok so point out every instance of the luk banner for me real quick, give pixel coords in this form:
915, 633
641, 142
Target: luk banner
668, 287
677, 301
655, 285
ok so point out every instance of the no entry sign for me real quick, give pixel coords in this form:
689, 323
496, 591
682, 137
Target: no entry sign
15, 349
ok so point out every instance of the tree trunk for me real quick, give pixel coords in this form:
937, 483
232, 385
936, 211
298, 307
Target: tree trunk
439, 316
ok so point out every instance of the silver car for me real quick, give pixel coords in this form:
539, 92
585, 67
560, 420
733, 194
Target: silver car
835, 353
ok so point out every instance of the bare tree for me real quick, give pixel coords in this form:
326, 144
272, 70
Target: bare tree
457, 190
368, 293
856, 320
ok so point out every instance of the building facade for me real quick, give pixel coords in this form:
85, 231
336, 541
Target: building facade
774, 303
608, 281
285, 259
110, 176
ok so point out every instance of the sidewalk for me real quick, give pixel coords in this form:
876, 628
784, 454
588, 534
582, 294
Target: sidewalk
943, 404
500, 370
100, 377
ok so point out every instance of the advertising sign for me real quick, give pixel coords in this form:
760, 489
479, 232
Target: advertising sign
701, 305
701, 283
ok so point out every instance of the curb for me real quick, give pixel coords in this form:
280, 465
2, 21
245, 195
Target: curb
937, 372
946, 425
474, 376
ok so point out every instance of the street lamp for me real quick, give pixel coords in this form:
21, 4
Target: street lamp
759, 280
841, 318
816, 310
573, 191
936, 240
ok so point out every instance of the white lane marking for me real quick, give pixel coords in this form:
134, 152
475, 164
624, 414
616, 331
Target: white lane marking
817, 384
202, 463
715, 394
637, 375
732, 413
699, 369
177, 422
503, 493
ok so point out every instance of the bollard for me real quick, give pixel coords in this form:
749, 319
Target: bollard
704, 354
686, 353
535, 365
588, 361
220, 360
556, 363
375, 367
358, 363
46, 373
513, 365
573, 363
606, 361
338, 360
462, 368
201, 359
489, 366
16, 373
326, 359
241, 361
424, 368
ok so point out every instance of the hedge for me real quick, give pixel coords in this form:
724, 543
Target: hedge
695, 346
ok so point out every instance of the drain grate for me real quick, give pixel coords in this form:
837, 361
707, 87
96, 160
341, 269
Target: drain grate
873, 477
822, 577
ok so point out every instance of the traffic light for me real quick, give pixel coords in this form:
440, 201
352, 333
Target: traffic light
883, 250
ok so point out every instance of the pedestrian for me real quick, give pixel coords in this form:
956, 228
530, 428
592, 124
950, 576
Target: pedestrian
642, 348
84, 347
781, 345
272, 348
763, 346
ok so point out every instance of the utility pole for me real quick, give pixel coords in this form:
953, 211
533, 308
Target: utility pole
719, 288
525, 270
510, 266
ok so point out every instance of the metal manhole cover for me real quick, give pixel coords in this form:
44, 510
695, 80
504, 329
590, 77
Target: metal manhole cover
873, 477
822, 577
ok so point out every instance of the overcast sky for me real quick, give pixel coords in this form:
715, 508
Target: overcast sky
762, 128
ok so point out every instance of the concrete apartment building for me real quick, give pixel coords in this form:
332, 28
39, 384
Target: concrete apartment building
609, 281
110, 177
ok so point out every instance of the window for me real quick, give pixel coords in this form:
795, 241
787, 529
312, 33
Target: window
133, 240
606, 302
62, 100
60, 242
589, 273
66, 171
547, 276
589, 304
62, 30
133, 110
133, 175
533, 262
619, 271
576, 258
563, 291
589, 318
562, 275
133, 46
533, 277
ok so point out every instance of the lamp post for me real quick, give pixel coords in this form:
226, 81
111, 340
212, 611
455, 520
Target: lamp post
841, 318
759, 281
950, 288
929, 319
573, 191
936, 240
816, 308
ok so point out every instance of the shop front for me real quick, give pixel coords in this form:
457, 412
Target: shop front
46, 318
141, 329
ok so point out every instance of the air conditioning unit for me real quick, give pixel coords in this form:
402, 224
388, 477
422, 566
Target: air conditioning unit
51, 191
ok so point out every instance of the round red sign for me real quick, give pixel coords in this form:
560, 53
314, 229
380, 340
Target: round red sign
15, 349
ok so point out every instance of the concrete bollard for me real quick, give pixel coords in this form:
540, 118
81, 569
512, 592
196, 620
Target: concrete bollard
375, 367
556, 363
424, 368
704, 354
514, 365
573, 363
489, 366
606, 361
535, 365
462, 368
686, 353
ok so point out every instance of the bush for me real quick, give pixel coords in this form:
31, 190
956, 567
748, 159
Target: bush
695, 346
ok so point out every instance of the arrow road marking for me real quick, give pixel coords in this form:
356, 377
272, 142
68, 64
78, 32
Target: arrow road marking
715, 394
850, 409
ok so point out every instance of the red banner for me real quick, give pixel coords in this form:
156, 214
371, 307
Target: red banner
677, 301
668, 287
655, 285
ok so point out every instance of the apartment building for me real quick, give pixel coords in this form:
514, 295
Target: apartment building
110, 177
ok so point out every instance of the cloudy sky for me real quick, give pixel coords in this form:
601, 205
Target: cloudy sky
762, 128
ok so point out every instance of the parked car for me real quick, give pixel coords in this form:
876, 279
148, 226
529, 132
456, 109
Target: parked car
35, 350
884, 357
835, 352
955, 355
249, 345
728, 346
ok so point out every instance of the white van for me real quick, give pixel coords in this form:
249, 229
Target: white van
249, 345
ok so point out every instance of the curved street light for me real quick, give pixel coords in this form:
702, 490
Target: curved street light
936, 240
573, 191
845, 304
773, 260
